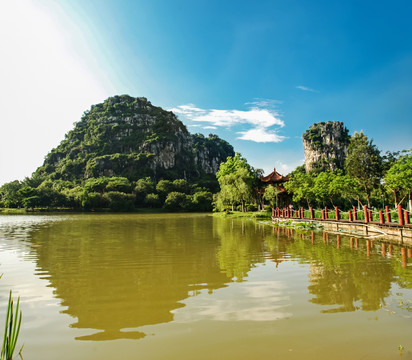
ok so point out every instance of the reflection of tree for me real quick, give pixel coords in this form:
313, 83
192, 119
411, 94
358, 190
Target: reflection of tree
123, 272
241, 246
341, 276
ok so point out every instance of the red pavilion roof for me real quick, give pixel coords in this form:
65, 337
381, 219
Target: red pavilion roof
274, 178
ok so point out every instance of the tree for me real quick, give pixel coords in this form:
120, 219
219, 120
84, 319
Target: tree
344, 186
271, 195
322, 189
236, 179
9, 194
300, 185
398, 178
364, 163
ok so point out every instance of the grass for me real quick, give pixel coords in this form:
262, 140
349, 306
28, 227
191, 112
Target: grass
11, 330
253, 215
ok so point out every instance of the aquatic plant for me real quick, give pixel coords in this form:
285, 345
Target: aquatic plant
11, 330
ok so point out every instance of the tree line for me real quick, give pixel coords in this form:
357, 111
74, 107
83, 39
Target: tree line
113, 193
366, 178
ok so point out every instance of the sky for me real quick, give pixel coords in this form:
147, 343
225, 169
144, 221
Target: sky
258, 74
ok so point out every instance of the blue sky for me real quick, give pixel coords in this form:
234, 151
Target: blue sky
257, 74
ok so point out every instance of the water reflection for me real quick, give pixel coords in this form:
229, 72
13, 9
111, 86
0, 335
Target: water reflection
116, 274
120, 272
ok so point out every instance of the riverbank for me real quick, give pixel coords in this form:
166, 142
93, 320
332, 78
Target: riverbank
22, 211
250, 215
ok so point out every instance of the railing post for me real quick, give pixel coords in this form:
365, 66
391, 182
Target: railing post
365, 211
326, 212
350, 215
370, 215
312, 214
406, 213
337, 213
400, 214
355, 215
323, 214
302, 213
381, 218
388, 214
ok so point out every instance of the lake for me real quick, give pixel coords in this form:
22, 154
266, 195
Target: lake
193, 286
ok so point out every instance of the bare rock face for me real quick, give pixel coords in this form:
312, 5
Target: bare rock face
326, 146
130, 137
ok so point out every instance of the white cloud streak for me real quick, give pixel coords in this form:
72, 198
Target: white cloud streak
261, 120
305, 88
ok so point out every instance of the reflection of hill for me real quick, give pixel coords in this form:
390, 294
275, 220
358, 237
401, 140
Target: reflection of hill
116, 273
119, 272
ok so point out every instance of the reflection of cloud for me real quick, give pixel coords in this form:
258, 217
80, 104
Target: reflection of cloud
252, 301
261, 117
305, 88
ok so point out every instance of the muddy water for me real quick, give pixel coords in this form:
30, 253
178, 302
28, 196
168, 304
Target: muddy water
187, 286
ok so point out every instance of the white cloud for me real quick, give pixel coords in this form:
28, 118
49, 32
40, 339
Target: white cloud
305, 88
262, 120
210, 127
265, 103
260, 135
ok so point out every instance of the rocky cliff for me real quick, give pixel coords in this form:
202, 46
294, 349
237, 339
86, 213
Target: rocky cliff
326, 146
129, 137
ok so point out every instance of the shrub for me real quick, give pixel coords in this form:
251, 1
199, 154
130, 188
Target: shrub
177, 201
251, 207
152, 200
202, 201
119, 201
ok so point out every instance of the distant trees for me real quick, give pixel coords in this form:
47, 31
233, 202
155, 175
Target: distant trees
112, 193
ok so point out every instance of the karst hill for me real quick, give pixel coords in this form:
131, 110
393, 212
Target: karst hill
129, 137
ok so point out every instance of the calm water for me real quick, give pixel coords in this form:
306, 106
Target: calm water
197, 287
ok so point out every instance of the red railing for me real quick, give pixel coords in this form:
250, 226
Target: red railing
290, 213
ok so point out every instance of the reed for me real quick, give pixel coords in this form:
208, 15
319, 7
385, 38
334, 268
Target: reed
11, 329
